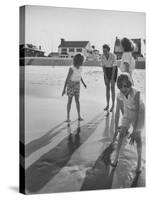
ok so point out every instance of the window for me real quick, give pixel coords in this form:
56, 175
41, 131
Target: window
88, 51
79, 50
64, 50
71, 49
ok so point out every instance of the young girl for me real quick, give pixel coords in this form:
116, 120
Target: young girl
72, 84
133, 115
127, 62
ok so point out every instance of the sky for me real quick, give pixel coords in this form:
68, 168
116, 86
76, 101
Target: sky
46, 25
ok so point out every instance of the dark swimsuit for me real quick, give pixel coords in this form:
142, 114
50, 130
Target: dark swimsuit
108, 72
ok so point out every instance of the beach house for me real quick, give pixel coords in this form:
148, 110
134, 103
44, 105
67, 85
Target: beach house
30, 50
139, 50
67, 49
53, 55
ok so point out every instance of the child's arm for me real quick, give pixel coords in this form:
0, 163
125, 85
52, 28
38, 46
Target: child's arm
83, 82
137, 105
134, 134
117, 113
122, 129
67, 79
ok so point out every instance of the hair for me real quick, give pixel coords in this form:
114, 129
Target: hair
123, 78
78, 60
105, 46
127, 45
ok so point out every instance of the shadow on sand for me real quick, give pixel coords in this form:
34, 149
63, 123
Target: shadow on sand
101, 175
14, 188
44, 140
135, 180
49, 164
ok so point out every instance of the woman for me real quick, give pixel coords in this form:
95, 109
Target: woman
109, 65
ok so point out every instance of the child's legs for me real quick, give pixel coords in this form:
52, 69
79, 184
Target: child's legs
78, 105
69, 106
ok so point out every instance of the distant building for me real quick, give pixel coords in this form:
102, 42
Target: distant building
139, 50
117, 48
95, 54
67, 49
29, 50
54, 55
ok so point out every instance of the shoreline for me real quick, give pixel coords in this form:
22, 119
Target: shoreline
61, 157
47, 61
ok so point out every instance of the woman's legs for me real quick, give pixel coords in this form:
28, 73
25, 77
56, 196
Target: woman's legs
107, 83
68, 108
113, 95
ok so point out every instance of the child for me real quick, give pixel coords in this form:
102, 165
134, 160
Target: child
73, 84
133, 114
127, 62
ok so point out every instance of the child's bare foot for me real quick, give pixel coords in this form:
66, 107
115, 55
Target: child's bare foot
80, 119
68, 120
138, 170
106, 108
111, 109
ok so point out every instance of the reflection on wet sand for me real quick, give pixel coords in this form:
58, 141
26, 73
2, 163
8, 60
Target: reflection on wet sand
48, 165
73, 139
135, 180
70, 158
100, 176
42, 141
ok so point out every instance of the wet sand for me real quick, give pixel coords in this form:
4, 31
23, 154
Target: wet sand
63, 158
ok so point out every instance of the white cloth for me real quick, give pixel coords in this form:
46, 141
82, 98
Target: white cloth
76, 75
110, 62
127, 58
130, 110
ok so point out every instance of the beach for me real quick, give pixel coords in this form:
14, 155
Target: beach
62, 158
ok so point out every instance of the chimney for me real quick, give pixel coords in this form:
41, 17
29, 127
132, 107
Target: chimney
62, 40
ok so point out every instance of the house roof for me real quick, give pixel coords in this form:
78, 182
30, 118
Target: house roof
53, 54
31, 47
74, 44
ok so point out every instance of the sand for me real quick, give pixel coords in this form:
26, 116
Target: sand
60, 158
